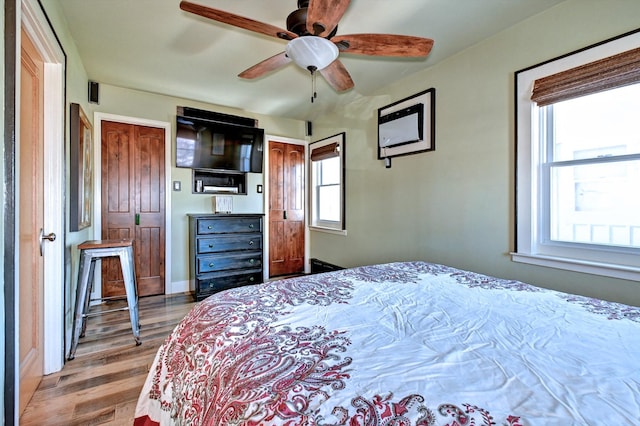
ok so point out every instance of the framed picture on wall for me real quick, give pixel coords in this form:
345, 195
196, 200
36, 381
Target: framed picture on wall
81, 169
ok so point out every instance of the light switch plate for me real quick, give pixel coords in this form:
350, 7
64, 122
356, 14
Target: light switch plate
177, 185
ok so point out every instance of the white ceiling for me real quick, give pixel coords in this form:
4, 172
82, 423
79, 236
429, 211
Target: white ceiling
154, 46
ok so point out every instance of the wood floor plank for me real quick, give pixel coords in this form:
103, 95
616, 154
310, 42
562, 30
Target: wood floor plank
101, 385
96, 418
100, 401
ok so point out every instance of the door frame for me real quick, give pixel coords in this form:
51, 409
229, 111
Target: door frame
265, 246
98, 118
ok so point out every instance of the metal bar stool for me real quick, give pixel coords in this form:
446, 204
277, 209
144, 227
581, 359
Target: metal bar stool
90, 251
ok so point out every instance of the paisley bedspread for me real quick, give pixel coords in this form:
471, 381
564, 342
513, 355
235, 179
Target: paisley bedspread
408, 343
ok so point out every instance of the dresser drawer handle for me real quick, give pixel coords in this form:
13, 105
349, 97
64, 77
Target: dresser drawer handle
251, 242
210, 227
211, 265
252, 279
210, 245
252, 261
251, 225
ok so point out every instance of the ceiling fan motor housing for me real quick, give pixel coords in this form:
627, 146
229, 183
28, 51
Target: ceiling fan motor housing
297, 20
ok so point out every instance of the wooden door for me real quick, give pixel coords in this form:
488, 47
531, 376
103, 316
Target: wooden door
31, 218
133, 200
286, 208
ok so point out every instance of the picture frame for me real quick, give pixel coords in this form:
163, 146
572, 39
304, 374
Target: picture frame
407, 126
81, 169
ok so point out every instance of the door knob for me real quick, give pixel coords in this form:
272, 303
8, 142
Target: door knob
51, 237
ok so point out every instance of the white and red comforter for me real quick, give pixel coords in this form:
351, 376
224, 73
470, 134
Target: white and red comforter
398, 344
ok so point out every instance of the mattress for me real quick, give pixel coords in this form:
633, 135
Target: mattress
406, 343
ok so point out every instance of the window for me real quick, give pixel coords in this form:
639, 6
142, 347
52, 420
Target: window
327, 184
592, 168
578, 161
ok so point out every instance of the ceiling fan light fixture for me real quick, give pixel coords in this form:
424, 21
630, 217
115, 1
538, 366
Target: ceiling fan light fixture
312, 52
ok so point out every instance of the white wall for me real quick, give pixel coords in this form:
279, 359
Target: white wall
456, 205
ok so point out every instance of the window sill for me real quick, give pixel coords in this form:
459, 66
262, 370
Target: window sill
329, 230
587, 267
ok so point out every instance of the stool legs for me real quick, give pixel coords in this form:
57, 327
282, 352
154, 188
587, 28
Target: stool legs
85, 277
87, 294
86, 270
129, 276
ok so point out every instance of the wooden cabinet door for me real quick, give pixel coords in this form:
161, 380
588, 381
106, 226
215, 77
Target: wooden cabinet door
286, 208
133, 200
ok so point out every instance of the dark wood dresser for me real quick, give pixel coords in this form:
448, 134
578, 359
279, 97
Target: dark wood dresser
225, 251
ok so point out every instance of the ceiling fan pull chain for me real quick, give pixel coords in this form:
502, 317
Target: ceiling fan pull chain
313, 87
314, 94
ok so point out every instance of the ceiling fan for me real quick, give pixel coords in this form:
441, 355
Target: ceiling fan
312, 40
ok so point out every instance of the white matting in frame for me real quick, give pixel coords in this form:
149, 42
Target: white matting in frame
428, 99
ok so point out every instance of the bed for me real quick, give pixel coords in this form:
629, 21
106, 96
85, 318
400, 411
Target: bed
407, 343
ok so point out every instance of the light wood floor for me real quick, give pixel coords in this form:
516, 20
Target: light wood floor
101, 385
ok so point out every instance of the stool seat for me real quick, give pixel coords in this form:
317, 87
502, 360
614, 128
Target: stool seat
90, 251
92, 244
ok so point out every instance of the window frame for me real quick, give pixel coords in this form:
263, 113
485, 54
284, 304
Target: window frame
315, 224
529, 247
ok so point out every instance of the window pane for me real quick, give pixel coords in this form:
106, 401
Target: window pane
330, 171
329, 203
599, 125
596, 203
327, 185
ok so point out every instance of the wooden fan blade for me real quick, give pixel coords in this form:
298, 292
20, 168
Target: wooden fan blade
266, 66
324, 15
237, 20
337, 76
383, 45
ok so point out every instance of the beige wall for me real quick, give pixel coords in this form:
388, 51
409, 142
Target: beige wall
456, 205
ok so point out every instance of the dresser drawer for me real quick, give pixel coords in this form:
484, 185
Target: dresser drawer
229, 225
227, 261
221, 281
223, 242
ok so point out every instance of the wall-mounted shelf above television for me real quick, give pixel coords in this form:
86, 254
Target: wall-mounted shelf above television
218, 182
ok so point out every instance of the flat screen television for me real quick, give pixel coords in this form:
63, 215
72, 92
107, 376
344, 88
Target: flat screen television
203, 144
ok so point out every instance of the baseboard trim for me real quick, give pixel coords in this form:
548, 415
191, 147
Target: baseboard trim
174, 287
